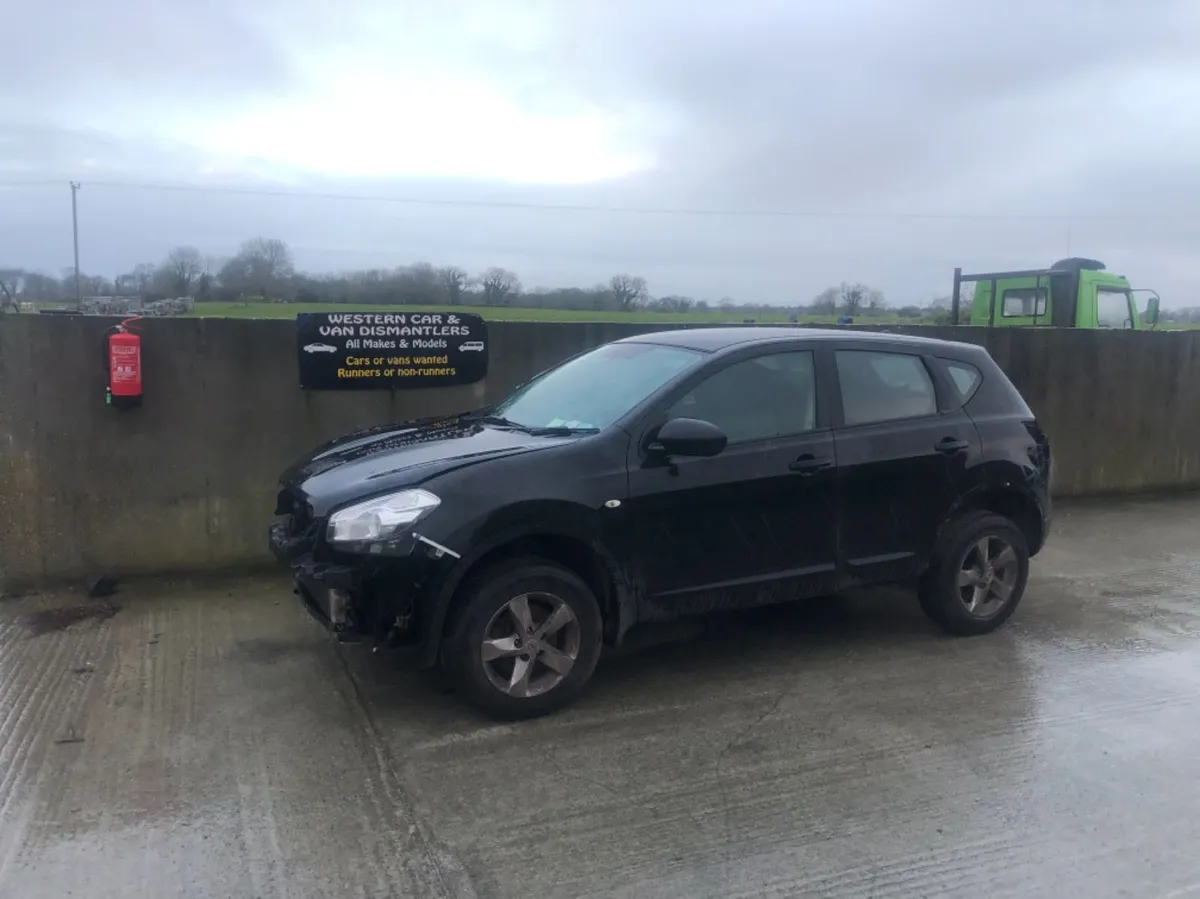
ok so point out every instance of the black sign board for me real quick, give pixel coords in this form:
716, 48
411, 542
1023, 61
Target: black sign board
374, 350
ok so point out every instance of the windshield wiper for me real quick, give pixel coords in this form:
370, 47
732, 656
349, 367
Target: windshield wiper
500, 421
560, 431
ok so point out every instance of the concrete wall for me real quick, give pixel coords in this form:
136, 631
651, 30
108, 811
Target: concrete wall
187, 482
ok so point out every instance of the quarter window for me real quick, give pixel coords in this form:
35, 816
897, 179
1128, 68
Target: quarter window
757, 399
965, 377
1024, 301
883, 386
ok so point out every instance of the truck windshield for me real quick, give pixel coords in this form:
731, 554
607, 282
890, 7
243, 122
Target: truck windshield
1112, 308
592, 391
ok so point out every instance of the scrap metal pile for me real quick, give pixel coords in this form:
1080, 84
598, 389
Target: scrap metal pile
128, 306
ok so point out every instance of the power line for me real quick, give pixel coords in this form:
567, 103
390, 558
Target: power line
697, 211
711, 212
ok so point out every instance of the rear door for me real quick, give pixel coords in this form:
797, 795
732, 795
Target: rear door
903, 449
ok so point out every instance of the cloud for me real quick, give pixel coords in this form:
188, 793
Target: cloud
1068, 123
72, 55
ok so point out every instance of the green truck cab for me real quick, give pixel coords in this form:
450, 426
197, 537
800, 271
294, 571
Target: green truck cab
1072, 293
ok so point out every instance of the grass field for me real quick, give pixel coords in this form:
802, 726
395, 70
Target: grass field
516, 313
522, 314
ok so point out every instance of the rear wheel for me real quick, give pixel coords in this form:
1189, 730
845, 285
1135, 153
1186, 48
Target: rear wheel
977, 576
526, 641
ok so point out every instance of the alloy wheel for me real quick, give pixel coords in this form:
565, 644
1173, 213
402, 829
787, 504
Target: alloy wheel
988, 576
530, 645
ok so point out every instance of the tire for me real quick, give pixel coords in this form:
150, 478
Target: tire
491, 608
958, 577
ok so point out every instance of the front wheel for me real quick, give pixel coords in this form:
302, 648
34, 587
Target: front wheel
977, 576
526, 641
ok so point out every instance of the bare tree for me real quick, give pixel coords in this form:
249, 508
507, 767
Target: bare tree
204, 287
874, 301
826, 302
629, 292
39, 287
420, 284
142, 277
262, 265
851, 296
497, 285
11, 282
454, 281
183, 267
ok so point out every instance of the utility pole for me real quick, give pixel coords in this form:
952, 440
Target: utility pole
75, 231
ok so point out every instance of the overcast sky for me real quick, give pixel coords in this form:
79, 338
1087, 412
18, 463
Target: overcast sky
814, 142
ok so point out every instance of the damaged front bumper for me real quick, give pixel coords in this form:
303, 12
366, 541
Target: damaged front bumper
327, 593
373, 596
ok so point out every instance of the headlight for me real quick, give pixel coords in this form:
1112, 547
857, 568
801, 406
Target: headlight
379, 518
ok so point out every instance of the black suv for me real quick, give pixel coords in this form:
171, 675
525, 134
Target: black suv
668, 474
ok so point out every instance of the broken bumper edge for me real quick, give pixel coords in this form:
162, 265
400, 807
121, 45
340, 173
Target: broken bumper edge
326, 592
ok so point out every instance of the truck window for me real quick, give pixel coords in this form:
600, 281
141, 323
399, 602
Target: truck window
1112, 308
1023, 301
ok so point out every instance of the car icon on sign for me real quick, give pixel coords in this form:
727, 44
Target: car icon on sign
319, 348
472, 346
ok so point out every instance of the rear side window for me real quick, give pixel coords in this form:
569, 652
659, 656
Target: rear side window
1024, 301
883, 386
964, 377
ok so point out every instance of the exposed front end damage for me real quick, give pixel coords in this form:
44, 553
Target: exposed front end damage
374, 597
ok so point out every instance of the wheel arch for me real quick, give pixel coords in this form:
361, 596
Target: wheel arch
1016, 503
576, 551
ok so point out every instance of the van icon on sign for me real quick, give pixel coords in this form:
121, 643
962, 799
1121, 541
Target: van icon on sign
472, 346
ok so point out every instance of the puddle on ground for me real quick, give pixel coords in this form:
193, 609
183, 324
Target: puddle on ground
48, 621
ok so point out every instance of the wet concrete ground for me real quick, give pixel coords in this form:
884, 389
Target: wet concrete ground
209, 741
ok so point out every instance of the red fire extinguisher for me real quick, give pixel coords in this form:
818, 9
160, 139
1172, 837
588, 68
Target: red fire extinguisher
123, 363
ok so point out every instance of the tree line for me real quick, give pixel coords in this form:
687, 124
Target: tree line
264, 270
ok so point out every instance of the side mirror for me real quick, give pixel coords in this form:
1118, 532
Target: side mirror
689, 437
1152, 310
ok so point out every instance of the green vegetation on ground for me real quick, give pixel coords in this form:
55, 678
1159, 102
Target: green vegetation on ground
262, 268
527, 314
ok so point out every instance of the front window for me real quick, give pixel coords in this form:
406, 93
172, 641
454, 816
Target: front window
1112, 308
757, 399
594, 390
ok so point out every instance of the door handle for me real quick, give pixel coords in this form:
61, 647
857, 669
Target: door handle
951, 445
809, 464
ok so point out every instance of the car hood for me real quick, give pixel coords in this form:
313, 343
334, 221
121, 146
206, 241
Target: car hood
376, 459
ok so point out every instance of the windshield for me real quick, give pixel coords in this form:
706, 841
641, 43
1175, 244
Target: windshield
594, 390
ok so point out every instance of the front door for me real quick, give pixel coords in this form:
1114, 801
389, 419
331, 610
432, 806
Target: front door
901, 462
754, 524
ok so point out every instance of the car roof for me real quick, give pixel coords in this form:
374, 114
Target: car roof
715, 340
